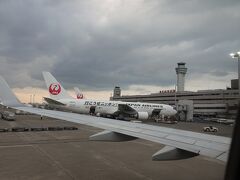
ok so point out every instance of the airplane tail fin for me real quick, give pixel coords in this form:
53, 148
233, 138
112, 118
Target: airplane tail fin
55, 89
7, 98
78, 93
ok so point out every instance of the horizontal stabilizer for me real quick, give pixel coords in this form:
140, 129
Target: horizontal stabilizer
111, 136
172, 153
52, 101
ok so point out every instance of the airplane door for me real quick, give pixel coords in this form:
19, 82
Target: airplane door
156, 112
92, 110
72, 104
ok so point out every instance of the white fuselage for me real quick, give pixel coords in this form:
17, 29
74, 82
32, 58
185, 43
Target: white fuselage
110, 107
59, 97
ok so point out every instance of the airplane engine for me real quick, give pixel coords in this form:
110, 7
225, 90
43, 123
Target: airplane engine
142, 115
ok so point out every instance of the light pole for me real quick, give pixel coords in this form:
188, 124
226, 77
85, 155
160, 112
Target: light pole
33, 98
237, 55
30, 99
175, 96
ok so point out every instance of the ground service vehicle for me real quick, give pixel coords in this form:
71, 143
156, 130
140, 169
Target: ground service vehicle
210, 129
7, 115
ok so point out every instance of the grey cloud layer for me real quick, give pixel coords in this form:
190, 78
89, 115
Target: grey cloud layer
99, 44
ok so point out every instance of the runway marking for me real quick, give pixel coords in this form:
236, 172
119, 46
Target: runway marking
212, 160
24, 136
12, 146
55, 162
112, 163
60, 141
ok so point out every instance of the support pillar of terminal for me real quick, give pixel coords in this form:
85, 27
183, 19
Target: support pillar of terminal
185, 110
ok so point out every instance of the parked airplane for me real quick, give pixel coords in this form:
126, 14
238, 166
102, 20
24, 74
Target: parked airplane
78, 93
180, 144
116, 109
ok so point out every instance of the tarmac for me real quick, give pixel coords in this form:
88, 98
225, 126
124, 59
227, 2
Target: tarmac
68, 154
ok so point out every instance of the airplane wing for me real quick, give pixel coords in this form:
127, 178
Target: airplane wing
126, 109
179, 143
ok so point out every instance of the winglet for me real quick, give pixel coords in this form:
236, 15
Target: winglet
7, 97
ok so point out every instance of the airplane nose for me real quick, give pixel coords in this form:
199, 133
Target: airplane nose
174, 111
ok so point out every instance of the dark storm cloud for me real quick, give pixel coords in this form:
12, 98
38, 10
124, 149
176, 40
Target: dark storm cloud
100, 44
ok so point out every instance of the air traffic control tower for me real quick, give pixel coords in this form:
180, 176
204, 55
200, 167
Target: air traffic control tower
181, 70
117, 91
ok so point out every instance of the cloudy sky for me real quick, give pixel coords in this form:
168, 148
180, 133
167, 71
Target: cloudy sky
98, 44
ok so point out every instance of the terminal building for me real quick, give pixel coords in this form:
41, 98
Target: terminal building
214, 103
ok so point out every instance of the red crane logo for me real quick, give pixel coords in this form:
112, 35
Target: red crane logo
55, 89
79, 96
